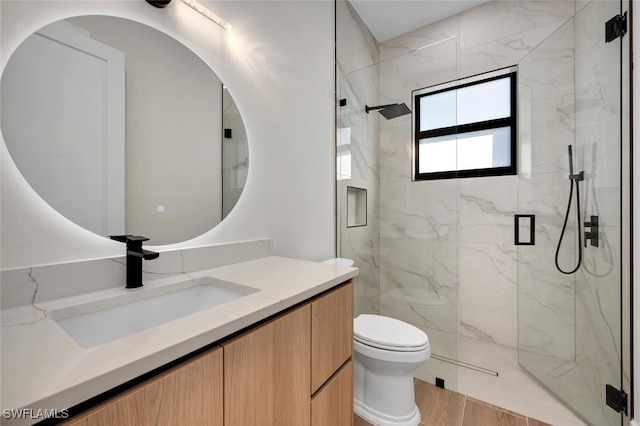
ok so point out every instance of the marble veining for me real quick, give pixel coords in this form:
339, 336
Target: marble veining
24, 286
359, 80
356, 47
488, 283
478, 25
430, 35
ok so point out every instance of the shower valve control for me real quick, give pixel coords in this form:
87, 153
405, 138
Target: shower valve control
593, 234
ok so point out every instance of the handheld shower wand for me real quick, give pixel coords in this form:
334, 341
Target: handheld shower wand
570, 161
572, 178
579, 176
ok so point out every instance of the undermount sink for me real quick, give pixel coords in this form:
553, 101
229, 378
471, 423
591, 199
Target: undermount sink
101, 321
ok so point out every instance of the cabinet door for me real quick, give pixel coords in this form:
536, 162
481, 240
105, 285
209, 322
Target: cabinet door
332, 405
190, 393
331, 333
266, 373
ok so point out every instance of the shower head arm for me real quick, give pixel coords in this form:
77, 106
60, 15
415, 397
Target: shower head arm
367, 108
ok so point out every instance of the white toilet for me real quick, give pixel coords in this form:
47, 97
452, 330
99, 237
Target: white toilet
386, 353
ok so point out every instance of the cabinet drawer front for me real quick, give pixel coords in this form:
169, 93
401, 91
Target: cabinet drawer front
331, 333
190, 393
266, 373
333, 404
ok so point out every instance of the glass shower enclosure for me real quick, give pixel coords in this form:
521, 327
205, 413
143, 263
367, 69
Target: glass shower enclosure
570, 179
441, 255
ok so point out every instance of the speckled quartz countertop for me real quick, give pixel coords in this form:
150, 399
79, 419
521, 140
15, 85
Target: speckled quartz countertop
44, 368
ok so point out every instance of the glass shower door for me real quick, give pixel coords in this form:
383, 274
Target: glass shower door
569, 324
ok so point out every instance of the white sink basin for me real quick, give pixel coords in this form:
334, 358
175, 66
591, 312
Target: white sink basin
101, 321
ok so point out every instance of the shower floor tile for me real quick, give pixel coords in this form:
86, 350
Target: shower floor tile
442, 407
513, 389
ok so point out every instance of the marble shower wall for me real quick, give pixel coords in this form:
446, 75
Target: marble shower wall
546, 309
419, 269
358, 155
448, 262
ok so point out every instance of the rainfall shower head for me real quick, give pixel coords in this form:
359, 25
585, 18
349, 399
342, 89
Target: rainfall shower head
390, 111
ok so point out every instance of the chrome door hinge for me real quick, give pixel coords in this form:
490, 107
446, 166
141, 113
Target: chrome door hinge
615, 27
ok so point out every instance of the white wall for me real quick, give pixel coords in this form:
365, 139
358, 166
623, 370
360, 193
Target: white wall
278, 64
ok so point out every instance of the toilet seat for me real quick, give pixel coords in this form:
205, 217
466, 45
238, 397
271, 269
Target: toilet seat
392, 348
389, 334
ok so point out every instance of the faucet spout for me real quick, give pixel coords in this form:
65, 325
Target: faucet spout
143, 254
135, 255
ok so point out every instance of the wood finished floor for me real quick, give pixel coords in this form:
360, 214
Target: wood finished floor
442, 407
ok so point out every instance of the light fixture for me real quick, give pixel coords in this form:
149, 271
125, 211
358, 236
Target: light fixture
207, 13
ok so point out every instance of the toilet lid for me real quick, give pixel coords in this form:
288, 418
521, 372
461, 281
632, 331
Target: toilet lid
388, 333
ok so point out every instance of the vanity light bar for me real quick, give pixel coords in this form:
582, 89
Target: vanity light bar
207, 13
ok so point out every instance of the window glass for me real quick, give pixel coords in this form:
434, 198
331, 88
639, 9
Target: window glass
343, 167
474, 150
484, 149
485, 101
466, 130
438, 154
438, 110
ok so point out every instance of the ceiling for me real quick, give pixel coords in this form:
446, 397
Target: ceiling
387, 19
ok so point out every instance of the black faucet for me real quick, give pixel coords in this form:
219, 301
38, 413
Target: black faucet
135, 255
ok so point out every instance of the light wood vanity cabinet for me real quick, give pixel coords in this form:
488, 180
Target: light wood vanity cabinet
285, 372
266, 373
332, 333
294, 369
189, 394
331, 357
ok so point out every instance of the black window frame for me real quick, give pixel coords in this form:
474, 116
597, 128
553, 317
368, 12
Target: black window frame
467, 128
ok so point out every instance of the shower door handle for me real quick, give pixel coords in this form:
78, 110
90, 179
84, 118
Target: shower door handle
528, 222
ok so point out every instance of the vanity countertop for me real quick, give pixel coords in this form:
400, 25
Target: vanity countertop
43, 368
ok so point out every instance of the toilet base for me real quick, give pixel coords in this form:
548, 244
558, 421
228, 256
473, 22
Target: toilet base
381, 419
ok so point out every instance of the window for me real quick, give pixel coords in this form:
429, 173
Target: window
343, 158
466, 128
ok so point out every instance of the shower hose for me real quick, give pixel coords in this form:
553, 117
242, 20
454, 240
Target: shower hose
573, 179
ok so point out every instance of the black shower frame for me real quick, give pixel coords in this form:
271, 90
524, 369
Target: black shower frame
467, 128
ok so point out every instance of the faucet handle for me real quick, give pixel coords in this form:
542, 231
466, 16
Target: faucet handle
120, 238
134, 242
136, 238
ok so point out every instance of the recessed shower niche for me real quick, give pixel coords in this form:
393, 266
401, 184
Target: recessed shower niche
356, 207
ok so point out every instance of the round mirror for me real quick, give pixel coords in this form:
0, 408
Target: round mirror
123, 129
